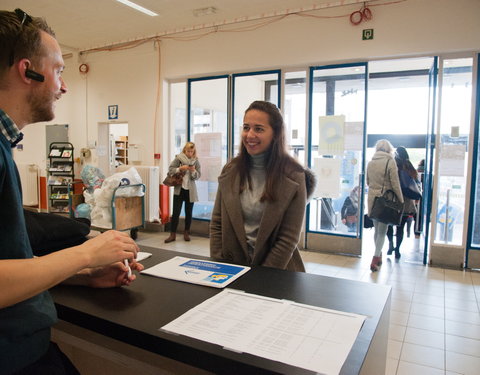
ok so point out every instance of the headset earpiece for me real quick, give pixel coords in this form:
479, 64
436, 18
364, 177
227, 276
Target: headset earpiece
34, 75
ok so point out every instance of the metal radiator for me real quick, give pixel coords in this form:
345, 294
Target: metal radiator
29, 176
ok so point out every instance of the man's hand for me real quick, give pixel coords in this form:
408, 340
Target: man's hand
109, 276
109, 247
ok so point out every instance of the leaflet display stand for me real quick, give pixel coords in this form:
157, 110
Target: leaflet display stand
60, 175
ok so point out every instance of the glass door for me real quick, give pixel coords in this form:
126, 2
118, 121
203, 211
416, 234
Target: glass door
208, 100
451, 163
336, 149
472, 259
248, 87
425, 204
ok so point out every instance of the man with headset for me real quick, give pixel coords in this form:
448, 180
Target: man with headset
31, 67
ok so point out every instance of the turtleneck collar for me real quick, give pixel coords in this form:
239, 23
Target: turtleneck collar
258, 161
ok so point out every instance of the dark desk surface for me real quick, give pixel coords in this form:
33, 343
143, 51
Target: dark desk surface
134, 314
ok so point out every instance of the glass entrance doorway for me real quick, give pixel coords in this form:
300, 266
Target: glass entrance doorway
398, 110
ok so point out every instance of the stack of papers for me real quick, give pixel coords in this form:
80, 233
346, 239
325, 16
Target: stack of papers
304, 336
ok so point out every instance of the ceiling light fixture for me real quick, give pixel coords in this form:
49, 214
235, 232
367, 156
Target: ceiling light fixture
138, 7
204, 11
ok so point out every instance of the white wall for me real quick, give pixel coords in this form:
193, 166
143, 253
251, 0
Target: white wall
129, 78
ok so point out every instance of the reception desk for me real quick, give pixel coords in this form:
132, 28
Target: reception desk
134, 314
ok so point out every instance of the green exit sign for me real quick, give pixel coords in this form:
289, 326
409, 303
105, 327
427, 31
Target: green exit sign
367, 34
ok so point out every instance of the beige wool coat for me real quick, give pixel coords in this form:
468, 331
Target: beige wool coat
280, 226
376, 177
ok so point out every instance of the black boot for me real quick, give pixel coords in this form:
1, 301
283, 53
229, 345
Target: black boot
391, 248
397, 253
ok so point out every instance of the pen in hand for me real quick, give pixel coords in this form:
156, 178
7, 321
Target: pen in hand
125, 261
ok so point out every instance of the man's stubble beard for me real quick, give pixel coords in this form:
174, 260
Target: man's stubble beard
41, 106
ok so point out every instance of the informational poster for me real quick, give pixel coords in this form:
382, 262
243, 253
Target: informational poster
304, 336
452, 160
208, 144
331, 135
353, 136
197, 271
209, 153
327, 171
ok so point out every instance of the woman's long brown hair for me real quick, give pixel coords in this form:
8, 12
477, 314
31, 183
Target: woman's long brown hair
277, 161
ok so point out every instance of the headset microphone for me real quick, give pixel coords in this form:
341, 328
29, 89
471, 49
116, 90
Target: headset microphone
34, 75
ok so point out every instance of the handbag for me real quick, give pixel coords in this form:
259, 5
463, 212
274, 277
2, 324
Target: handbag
387, 208
174, 180
410, 188
367, 222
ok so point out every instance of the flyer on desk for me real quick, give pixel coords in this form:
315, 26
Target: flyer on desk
197, 271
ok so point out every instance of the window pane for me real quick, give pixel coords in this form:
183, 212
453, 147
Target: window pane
295, 113
248, 88
178, 116
337, 123
454, 131
208, 129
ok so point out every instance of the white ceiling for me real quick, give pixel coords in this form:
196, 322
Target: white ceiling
83, 24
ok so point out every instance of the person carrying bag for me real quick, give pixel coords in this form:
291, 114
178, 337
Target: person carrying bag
383, 189
387, 208
410, 185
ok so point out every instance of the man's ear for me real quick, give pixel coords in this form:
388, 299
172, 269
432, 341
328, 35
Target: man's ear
28, 74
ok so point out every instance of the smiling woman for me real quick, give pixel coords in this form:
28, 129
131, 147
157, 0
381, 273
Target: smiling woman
257, 133
272, 188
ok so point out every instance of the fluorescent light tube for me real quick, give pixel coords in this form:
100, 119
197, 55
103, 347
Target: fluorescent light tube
138, 7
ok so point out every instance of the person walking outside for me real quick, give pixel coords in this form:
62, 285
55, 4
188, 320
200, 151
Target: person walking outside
382, 175
409, 209
187, 163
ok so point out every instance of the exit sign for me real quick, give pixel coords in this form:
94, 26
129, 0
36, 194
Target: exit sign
367, 34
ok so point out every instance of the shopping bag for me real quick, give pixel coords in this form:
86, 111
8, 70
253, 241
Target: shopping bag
387, 209
174, 180
410, 188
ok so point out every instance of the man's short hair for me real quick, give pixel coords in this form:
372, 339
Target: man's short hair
20, 38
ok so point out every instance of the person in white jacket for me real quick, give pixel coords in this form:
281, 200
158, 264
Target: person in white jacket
382, 175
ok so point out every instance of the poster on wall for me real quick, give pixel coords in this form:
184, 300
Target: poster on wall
452, 160
327, 171
331, 135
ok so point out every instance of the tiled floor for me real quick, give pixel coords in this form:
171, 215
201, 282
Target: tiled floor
435, 313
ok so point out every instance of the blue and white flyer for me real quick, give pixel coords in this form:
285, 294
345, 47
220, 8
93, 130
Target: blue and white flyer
197, 271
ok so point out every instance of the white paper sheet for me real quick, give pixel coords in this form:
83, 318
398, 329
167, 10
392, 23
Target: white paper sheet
197, 271
142, 255
304, 336
327, 171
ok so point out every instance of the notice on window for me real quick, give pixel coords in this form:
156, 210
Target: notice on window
327, 171
331, 131
452, 160
353, 139
300, 335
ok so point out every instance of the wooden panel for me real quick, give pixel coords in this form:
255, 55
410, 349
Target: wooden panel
128, 213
